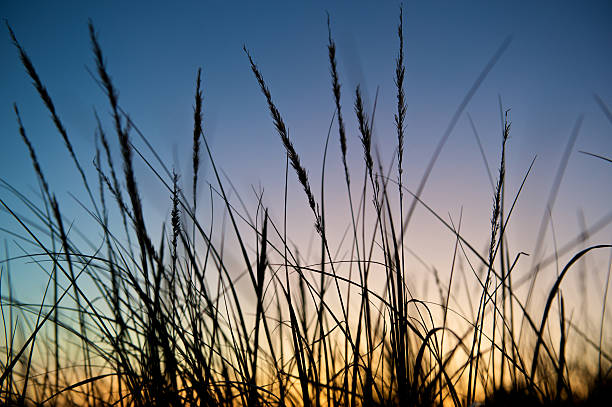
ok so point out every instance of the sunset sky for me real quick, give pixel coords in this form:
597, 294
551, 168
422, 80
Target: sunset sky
558, 59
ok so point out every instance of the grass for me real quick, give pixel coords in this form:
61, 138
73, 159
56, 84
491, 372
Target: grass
167, 320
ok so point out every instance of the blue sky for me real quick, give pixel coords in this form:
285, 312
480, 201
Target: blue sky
559, 57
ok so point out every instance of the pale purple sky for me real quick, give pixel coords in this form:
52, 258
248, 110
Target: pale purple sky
558, 59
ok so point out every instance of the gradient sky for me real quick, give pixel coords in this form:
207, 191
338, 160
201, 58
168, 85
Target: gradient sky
559, 57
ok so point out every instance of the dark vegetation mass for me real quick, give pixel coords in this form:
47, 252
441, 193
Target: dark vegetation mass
163, 321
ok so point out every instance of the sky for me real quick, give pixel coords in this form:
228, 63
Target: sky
559, 57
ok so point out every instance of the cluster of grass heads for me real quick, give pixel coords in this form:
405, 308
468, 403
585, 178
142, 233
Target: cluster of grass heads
163, 321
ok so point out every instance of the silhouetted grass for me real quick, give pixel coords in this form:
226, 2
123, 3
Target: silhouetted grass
165, 323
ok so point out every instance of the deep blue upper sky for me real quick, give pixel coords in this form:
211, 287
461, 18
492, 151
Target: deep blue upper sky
559, 57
